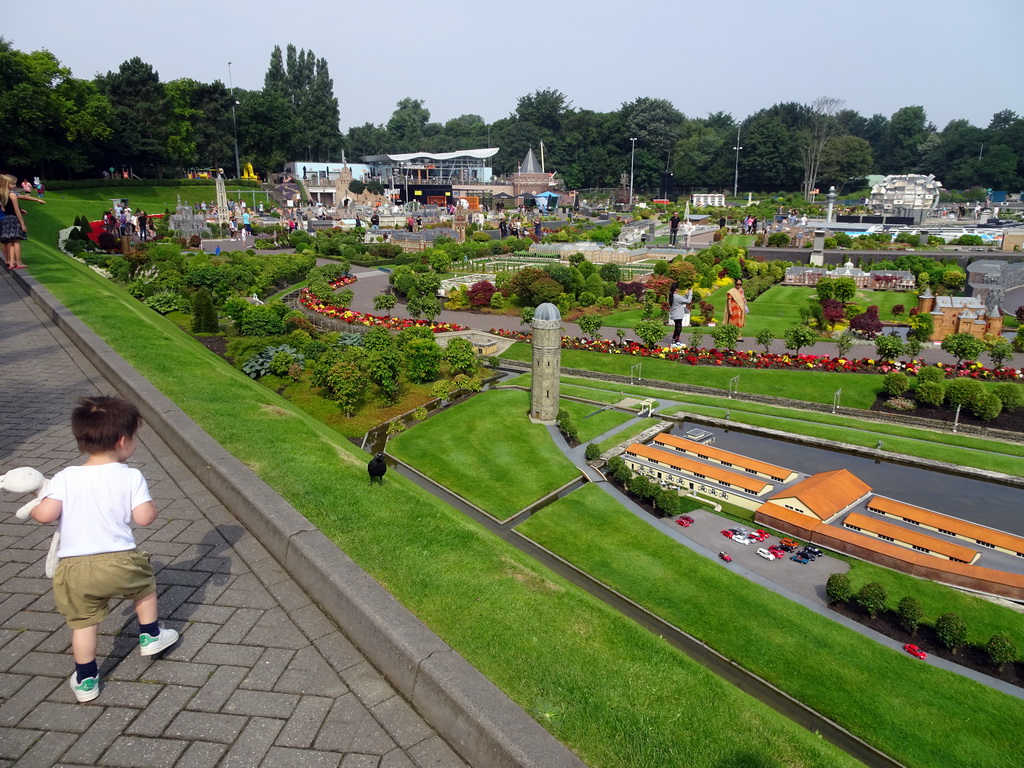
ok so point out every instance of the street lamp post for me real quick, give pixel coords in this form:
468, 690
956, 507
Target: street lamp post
736, 169
234, 123
632, 152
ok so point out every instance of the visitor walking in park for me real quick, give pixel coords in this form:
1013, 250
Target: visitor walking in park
736, 306
375, 221
143, 232
95, 504
12, 225
673, 228
679, 310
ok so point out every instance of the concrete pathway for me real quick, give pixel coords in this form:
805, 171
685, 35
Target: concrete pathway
260, 677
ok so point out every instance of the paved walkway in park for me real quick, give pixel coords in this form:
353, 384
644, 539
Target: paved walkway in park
260, 677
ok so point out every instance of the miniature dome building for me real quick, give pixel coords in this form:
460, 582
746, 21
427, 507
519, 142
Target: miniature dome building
547, 363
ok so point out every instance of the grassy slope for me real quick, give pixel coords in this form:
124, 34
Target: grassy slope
870, 690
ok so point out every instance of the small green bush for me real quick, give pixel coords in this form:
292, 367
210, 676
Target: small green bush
951, 630
204, 314
592, 452
986, 406
932, 374
261, 320
1011, 395
274, 360
166, 302
872, 597
778, 240
895, 383
930, 393
838, 588
910, 613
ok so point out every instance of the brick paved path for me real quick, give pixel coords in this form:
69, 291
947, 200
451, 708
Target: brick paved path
260, 677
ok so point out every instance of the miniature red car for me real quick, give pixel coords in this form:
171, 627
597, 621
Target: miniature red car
779, 552
684, 520
913, 650
759, 535
728, 534
725, 557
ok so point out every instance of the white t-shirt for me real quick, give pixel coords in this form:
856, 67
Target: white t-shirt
97, 507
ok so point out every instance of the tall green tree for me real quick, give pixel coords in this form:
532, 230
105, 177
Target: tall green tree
140, 116
49, 120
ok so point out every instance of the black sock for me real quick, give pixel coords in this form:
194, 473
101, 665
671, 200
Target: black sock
85, 671
153, 630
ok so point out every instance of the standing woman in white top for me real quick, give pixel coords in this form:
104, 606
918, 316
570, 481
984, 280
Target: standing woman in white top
679, 310
12, 224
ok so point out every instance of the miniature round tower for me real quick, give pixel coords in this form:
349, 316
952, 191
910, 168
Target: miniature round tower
547, 363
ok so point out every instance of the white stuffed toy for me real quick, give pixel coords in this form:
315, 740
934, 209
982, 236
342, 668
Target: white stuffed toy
28, 480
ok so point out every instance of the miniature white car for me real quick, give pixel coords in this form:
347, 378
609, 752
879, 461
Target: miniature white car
762, 552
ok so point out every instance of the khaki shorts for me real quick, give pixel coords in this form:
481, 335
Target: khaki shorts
83, 586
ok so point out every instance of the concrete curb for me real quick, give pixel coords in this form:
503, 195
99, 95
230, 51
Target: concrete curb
480, 722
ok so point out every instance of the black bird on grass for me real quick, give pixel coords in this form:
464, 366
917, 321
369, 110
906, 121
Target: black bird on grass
377, 467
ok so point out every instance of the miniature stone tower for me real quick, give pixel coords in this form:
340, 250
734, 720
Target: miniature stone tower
547, 363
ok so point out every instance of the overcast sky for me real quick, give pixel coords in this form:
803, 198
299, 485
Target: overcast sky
956, 59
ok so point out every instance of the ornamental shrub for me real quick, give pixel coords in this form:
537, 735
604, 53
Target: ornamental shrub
1011, 395
261, 320
204, 314
838, 588
895, 383
910, 613
930, 393
274, 360
931, 374
963, 391
987, 406
1001, 649
778, 240
872, 597
726, 336
592, 452
166, 302
951, 631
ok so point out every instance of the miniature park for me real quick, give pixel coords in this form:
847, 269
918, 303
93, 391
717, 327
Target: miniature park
819, 500
357, 331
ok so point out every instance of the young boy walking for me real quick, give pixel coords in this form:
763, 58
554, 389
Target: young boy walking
96, 504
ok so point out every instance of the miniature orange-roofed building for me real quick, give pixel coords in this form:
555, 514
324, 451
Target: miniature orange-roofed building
726, 458
823, 495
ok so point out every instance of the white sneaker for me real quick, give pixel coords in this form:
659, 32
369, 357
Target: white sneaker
149, 645
87, 690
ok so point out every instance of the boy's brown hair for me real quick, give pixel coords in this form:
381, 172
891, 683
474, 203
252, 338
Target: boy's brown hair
98, 423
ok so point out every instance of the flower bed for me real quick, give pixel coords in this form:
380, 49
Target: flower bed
772, 360
327, 309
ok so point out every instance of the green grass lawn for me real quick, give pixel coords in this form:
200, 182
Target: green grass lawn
866, 688
739, 241
859, 391
591, 421
501, 472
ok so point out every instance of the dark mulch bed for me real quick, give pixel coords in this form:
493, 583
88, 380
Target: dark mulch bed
1009, 421
216, 344
970, 656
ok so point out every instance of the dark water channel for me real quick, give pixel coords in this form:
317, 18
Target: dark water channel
991, 504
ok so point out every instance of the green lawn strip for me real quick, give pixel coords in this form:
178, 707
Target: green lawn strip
488, 452
629, 698
859, 390
591, 424
626, 434
887, 698
739, 241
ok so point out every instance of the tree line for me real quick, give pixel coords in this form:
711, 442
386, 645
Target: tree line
59, 126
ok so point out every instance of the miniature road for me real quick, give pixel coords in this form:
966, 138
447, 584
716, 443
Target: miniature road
260, 676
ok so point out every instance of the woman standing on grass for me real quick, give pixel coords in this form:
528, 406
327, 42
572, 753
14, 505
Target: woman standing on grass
12, 226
